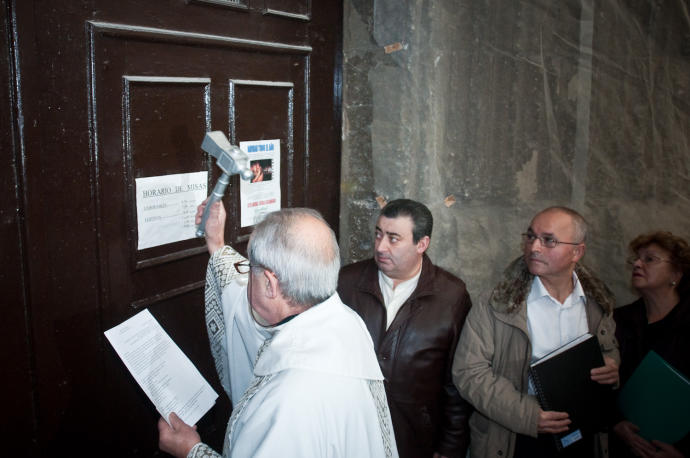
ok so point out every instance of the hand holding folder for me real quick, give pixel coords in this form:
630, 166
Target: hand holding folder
563, 383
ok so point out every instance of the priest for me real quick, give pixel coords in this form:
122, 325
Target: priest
298, 365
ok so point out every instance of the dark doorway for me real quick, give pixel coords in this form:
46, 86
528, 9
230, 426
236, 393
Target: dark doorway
97, 94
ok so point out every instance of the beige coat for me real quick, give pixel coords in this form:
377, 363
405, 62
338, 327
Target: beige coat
492, 360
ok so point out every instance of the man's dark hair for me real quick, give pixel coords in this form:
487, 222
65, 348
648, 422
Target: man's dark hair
422, 221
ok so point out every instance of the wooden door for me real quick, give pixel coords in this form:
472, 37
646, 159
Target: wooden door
100, 93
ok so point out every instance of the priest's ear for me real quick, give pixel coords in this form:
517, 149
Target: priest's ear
271, 284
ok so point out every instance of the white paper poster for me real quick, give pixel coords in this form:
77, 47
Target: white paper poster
166, 375
166, 206
262, 194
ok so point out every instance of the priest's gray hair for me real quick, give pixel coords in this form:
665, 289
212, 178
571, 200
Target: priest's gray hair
306, 267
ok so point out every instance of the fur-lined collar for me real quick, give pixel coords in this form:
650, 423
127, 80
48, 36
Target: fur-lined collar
511, 292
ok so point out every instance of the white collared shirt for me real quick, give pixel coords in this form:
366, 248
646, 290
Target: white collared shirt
552, 324
394, 298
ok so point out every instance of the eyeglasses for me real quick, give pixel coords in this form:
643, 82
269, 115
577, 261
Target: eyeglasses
243, 267
646, 259
546, 240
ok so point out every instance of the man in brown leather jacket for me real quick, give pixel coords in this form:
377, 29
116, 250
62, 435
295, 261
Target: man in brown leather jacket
414, 311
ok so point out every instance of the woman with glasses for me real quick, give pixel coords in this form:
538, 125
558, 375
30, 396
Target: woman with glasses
659, 320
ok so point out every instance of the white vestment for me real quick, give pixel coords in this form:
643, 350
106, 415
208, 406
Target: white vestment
317, 388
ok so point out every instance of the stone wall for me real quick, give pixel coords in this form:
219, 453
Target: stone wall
508, 107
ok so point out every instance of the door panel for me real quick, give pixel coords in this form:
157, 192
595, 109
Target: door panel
17, 398
274, 102
112, 92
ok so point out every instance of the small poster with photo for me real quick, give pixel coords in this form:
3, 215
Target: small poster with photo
260, 195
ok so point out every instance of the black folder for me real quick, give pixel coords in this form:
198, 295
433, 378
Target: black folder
563, 383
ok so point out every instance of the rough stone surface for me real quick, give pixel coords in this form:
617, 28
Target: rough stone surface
511, 107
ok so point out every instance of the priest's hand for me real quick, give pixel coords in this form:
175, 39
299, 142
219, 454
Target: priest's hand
606, 374
215, 225
627, 431
176, 438
552, 422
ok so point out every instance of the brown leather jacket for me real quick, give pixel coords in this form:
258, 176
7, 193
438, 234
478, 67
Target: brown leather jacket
416, 355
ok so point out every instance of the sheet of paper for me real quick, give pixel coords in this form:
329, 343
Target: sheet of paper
262, 194
165, 374
166, 206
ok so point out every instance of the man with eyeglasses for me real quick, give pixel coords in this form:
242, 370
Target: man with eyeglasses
545, 299
414, 311
298, 365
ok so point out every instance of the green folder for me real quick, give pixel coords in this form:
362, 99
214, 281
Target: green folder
656, 398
